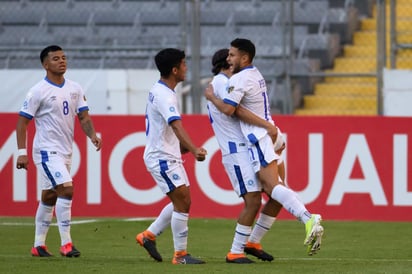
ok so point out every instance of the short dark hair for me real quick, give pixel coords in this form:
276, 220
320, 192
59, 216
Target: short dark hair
244, 45
46, 50
167, 59
219, 61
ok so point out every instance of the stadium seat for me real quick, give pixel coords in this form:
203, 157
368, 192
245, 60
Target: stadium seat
116, 17
107, 31
345, 89
357, 95
24, 17
340, 102
250, 18
66, 17
160, 17
215, 17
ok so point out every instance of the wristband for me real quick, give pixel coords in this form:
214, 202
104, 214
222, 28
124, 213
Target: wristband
22, 152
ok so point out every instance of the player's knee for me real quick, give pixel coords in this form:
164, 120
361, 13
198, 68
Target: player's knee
253, 201
65, 191
268, 189
186, 202
49, 197
255, 204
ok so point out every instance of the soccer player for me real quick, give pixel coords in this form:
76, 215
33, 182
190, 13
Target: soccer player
247, 88
235, 158
166, 140
54, 102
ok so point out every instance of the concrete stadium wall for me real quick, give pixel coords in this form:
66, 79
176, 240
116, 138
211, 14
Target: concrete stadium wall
124, 91
397, 92
107, 91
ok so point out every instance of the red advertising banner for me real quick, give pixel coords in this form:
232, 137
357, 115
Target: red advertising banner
346, 168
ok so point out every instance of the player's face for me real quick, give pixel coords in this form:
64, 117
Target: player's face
181, 71
234, 60
56, 62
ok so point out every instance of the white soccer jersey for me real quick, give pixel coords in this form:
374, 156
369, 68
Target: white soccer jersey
161, 109
54, 108
248, 88
227, 128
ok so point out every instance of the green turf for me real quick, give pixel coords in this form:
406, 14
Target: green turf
108, 246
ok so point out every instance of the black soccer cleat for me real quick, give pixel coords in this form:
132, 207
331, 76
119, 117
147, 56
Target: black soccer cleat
256, 250
40, 251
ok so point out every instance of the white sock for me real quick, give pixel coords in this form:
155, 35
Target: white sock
162, 221
44, 216
288, 199
262, 226
63, 216
242, 233
179, 230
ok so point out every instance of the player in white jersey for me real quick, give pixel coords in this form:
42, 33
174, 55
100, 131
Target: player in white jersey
235, 158
54, 103
166, 140
247, 88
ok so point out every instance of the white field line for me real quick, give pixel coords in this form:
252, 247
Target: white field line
78, 222
139, 219
52, 224
343, 259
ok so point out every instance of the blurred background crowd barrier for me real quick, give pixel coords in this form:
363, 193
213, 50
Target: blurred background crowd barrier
319, 57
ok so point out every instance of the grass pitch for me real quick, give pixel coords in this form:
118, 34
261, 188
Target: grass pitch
108, 246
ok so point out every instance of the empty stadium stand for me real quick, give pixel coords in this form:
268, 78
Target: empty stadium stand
358, 95
127, 34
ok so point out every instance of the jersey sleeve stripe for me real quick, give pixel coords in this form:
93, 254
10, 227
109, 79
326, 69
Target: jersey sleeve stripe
25, 114
173, 118
83, 109
230, 102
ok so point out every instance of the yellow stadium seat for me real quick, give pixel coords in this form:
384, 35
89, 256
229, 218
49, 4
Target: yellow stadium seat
357, 95
344, 89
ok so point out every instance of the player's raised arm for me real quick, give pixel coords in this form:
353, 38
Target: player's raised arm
223, 107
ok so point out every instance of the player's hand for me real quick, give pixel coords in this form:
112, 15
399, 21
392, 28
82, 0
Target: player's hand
209, 92
280, 150
97, 142
200, 154
272, 131
22, 162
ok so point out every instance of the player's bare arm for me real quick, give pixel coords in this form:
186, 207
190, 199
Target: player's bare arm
21, 129
186, 142
183, 150
88, 128
249, 117
220, 105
